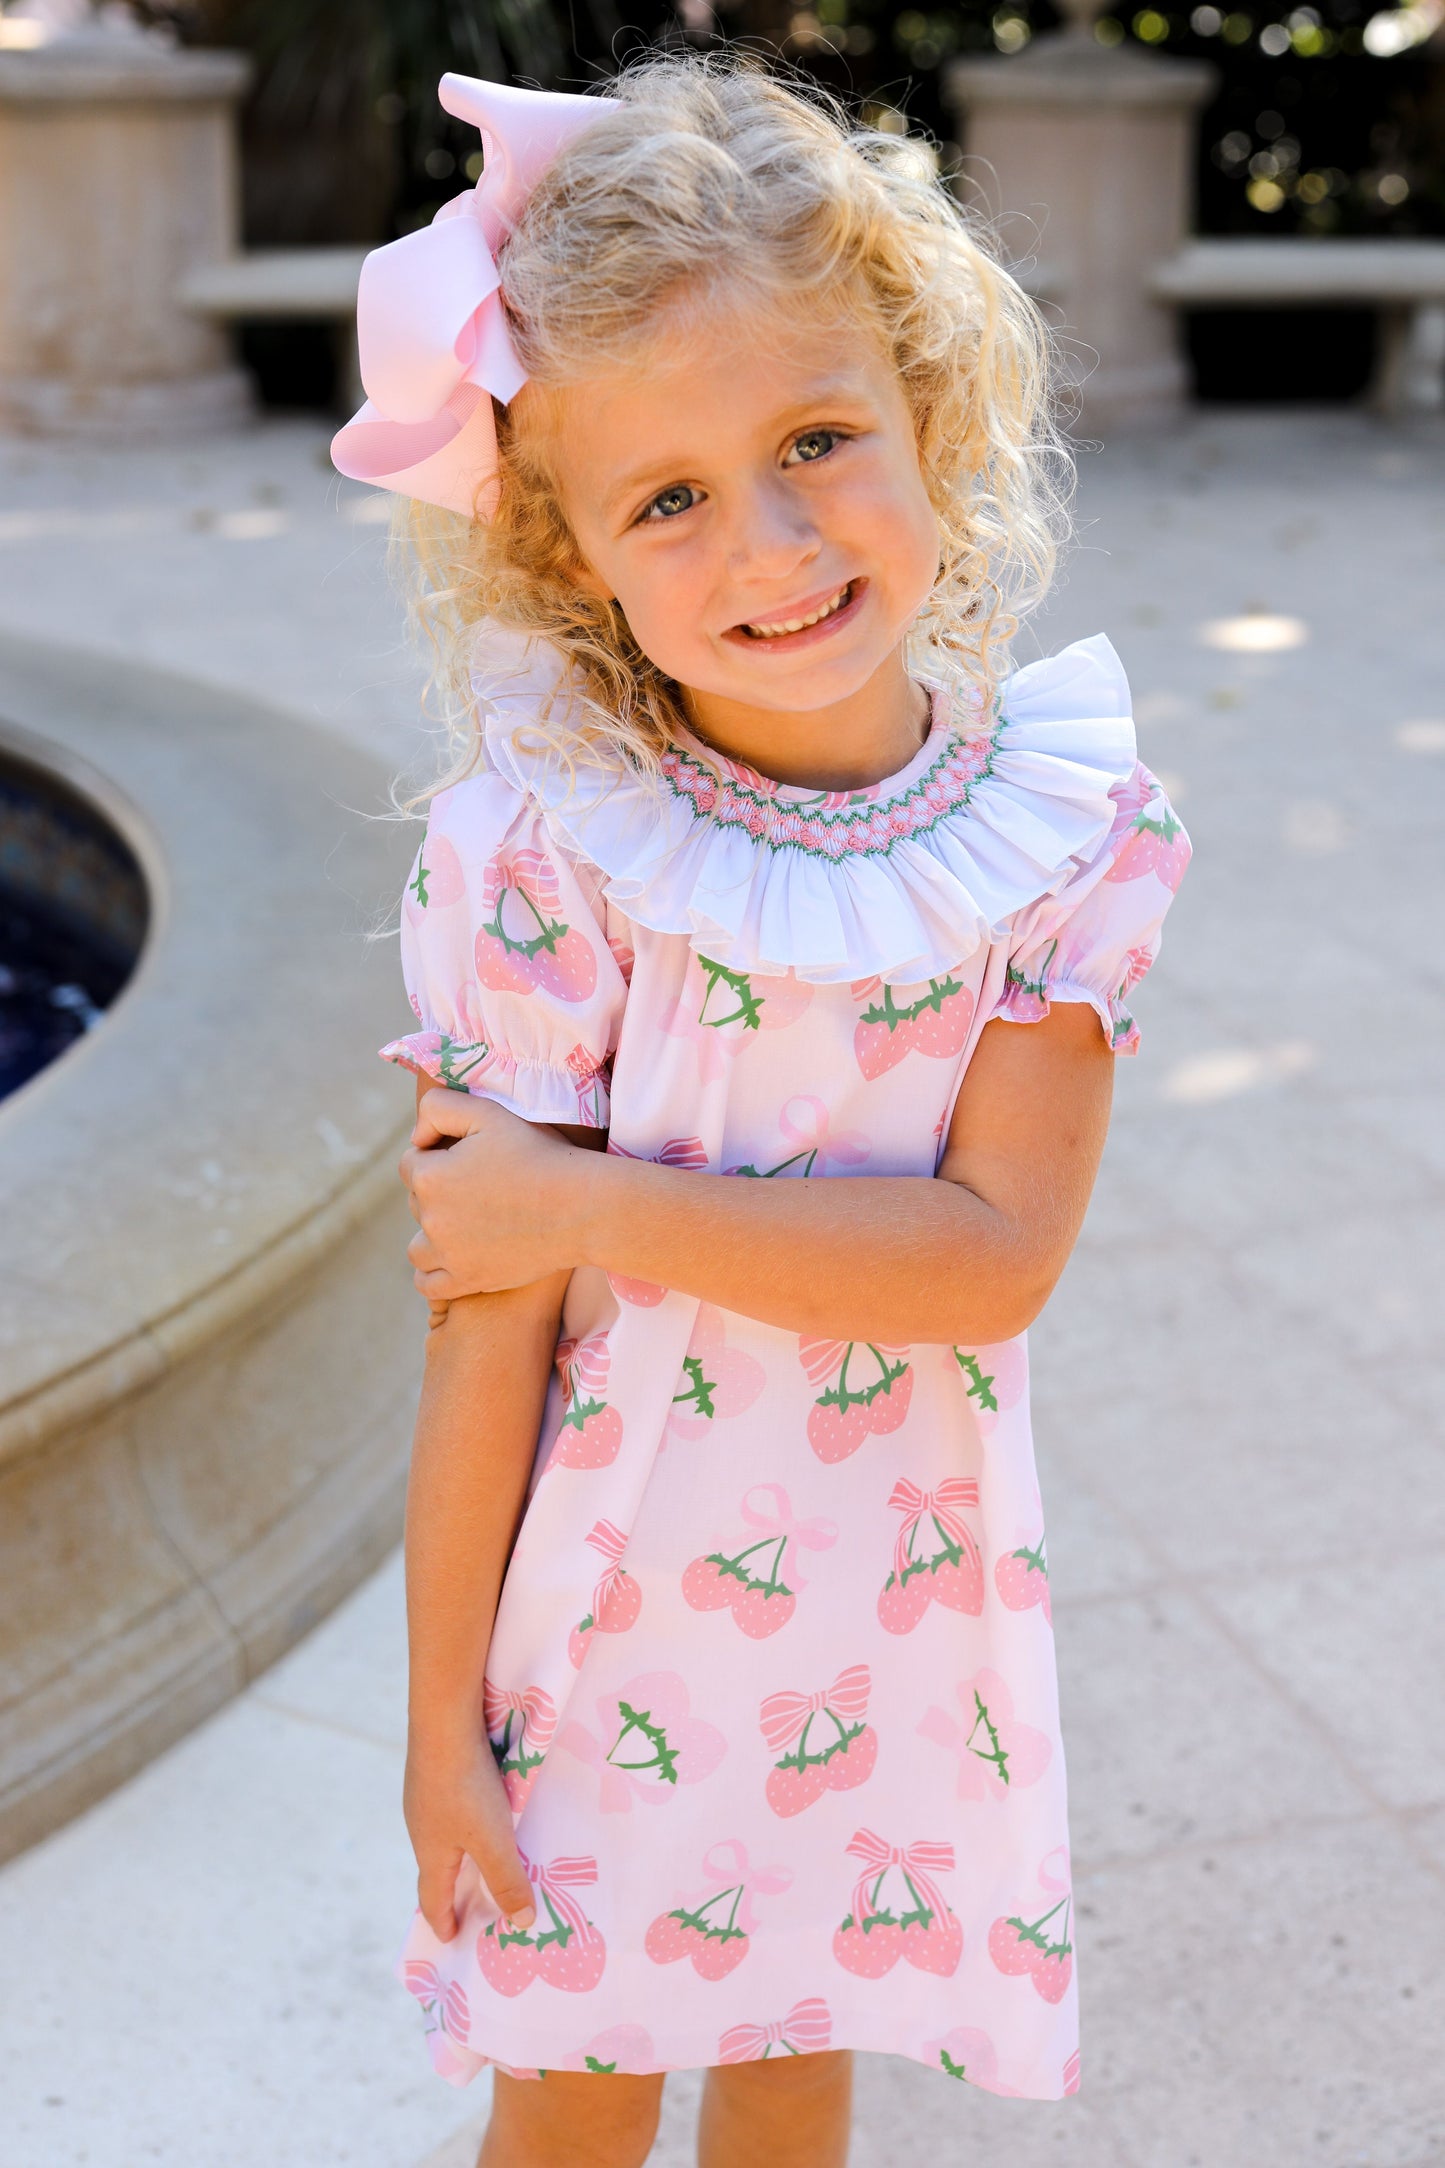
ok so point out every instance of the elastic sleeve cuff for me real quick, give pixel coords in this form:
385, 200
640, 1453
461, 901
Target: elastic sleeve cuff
1024, 1002
574, 1092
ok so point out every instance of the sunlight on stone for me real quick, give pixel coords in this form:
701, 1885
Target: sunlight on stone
1315, 827
372, 510
251, 526
1228, 1071
1426, 735
1161, 708
1258, 633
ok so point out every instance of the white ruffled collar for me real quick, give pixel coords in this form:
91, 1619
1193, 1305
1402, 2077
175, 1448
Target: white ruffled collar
901, 881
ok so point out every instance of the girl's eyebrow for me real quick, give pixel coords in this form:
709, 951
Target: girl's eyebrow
846, 389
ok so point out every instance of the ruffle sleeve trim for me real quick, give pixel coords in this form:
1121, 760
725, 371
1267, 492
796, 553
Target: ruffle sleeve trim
1026, 1002
901, 882
575, 1093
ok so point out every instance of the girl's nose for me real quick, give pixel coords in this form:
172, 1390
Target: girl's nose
772, 533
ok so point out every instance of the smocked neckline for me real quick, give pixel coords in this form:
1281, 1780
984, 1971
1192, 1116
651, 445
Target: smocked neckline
901, 882
745, 777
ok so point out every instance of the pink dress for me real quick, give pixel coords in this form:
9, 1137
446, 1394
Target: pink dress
772, 1682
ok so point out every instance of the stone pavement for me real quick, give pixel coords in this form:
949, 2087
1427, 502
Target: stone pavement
1239, 1393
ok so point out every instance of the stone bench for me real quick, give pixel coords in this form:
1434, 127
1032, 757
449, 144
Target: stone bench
1404, 281
286, 285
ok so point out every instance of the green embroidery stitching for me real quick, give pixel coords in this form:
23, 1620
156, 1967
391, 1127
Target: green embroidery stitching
771, 809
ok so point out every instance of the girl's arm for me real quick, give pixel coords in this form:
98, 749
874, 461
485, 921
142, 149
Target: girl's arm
488, 1358
970, 1256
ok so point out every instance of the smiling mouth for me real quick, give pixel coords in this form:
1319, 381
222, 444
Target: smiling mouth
780, 628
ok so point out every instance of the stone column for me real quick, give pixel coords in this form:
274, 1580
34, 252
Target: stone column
1094, 145
118, 175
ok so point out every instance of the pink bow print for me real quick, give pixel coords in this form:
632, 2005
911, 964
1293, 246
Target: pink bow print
431, 330
554, 1878
916, 1860
807, 2028
448, 1997
817, 1534
943, 1503
534, 1706
606, 1538
727, 1862
784, 1716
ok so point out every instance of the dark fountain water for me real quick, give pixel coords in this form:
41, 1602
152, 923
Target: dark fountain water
72, 917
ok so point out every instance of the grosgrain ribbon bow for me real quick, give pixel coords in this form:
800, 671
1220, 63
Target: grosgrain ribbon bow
431, 332
807, 2028
784, 1716
943, 1503
920, 1862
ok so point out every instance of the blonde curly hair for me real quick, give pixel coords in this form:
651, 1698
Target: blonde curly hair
718, 175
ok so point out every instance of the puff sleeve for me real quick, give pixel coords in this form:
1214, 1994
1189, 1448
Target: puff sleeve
1095, 939
517, 996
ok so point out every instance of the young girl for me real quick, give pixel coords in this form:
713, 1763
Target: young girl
734, 1738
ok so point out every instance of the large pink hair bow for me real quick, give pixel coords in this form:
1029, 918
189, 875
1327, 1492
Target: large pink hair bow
430, 327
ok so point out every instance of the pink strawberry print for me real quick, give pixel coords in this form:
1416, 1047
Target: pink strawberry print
525, 946
970, 2056
712, 1925
616, 1598
719, 1010
898, 1910
997, 1755
717, 1381
935, 1022
994, 1379
1039, 1948
590, 1433
868, 1396
561, 1946
437, 880
1156, 844
806, 2030
751, 1581
935, 1556
811, 1146
1022, 1579
823, 1741
520, 1726
622, 2047
648, 1743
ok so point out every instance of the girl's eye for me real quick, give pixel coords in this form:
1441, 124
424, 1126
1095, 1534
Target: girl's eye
815, 444
653, 517
669, 502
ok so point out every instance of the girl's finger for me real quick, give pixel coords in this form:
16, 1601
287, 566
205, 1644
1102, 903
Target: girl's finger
436, 1883
501, 1869
444, 1115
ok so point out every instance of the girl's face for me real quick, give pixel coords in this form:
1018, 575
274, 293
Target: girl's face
756, 476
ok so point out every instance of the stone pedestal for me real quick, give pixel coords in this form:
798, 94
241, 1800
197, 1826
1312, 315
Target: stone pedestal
117, 179
1094, 146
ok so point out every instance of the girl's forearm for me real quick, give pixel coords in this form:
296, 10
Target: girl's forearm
903, 1258
487, 1365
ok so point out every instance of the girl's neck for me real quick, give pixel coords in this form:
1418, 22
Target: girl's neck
846, 746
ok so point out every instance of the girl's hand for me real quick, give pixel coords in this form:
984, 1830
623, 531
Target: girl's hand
456, 1806
532, 1180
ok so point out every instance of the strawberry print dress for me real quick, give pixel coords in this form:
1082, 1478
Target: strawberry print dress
772, 1681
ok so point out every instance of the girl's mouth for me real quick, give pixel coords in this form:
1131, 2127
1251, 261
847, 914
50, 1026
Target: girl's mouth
806, 627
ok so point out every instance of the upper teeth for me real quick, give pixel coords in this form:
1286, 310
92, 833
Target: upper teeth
796, 624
